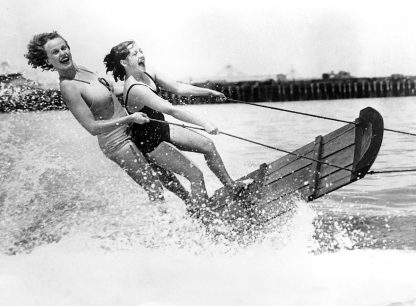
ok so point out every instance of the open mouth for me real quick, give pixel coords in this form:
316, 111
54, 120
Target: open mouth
64, 59
141, 62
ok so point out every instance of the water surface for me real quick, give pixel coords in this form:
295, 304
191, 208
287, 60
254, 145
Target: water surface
75, 230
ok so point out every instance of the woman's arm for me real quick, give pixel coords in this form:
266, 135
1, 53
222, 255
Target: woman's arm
142, 95
185, 89
78, 107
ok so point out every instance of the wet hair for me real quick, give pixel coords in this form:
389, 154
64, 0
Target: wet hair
112, 59
36, 53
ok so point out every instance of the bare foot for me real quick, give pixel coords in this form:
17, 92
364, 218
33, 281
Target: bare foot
241, 185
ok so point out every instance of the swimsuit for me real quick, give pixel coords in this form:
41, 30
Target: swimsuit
149, 135
111, 142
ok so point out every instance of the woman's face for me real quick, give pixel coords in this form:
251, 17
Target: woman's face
59, 55
135, 60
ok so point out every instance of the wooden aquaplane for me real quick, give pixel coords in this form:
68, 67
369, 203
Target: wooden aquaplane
318, 168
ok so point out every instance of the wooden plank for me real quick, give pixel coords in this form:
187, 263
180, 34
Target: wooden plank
289, 169
369, 138
222, 197
273, 209
291, 177
338, 143
294, 181
315, 167
287, 159
342, 159
301, 192
268, 194
334, 186
333, 177
360, 147
297, 182
294, 178
331, 143
337, 133
304, 193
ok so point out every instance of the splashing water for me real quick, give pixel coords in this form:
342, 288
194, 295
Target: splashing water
75, 230
280, 269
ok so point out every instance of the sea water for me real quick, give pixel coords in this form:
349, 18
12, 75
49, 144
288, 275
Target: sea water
76, 230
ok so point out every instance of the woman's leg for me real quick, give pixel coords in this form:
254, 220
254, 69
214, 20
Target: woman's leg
192, 141
170, 158
171, 182
131, 160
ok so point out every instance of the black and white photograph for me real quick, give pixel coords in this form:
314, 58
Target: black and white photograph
207, 153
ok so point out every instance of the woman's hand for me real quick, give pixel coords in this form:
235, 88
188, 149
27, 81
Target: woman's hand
218, 96
139, 118
211, 128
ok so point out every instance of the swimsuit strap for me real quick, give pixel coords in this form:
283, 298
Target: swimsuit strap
128, 91
81, 81
102, 81
105, 83
154, 82
80, 68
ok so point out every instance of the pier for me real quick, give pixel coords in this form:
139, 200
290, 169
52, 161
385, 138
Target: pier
20, 94
303, 90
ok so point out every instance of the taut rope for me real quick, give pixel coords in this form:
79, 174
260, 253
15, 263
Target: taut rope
312, 115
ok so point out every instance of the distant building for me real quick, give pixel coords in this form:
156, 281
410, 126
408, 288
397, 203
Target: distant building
340, 75
228, 74
4, 68
397, 76
281, 77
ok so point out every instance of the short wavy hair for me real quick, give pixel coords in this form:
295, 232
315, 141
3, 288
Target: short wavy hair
36, 54
112, 60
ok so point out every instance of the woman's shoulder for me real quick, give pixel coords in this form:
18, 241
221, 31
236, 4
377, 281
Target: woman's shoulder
131, 82
68, 85
85, 69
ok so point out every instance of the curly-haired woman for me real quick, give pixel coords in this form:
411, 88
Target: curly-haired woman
92, 102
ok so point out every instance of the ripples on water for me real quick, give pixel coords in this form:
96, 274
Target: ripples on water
72, 216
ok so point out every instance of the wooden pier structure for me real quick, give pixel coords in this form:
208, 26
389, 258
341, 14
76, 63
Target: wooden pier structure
20, 94
302, 90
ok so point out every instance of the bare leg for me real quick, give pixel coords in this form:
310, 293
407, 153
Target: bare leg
192, 141
170, 158
171, 182
131, 160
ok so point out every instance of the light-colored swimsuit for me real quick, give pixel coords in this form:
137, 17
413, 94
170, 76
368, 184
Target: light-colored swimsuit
112, 141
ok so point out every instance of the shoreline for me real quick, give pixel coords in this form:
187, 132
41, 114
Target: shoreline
19, 94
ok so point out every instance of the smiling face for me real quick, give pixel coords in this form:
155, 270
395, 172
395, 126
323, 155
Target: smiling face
59, 55
135, 61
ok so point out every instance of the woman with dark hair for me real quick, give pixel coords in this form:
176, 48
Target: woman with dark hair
159, 141
92, 102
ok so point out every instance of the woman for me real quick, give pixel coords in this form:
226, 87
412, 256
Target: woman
96, 108
158, 140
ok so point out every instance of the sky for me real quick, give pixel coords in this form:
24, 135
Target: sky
197, 39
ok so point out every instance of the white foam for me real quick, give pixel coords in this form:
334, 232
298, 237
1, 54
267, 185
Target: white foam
279, 270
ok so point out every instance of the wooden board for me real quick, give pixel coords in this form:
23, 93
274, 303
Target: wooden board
318, 168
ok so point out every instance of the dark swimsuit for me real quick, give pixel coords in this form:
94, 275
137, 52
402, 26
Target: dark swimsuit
149, 135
